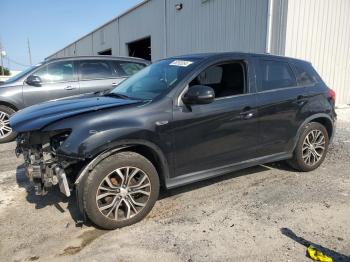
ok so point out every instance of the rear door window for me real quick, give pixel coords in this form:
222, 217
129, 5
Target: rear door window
95, 69
129, 68
275, 74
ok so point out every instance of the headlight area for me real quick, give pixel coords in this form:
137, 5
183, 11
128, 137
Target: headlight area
43, 166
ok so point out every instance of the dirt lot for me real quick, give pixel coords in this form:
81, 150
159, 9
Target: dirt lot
265, 213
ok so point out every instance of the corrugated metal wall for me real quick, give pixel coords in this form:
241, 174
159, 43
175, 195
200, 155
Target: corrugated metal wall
70, 50
201, 26
319, 31
105, 38
224, 25
146, 20
84, 46
279, 14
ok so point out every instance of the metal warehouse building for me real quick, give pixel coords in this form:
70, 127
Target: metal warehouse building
315, 30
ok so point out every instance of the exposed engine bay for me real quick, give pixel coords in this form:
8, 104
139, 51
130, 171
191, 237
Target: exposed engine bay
43, 166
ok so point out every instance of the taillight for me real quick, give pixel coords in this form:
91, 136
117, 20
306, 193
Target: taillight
331, 94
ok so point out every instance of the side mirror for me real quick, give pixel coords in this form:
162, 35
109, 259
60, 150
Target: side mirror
199, 94
33, 80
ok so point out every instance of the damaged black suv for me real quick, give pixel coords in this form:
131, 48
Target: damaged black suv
179, 120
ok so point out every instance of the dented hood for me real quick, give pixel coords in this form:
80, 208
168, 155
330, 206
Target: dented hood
38, 116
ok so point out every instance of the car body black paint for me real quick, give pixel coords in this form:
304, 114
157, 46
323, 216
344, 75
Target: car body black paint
38, 116
193, 142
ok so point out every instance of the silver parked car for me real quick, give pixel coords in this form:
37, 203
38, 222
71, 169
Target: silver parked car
59, 78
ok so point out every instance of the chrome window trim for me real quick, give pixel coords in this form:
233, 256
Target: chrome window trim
278, 89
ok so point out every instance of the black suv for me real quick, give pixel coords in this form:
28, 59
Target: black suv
180, 120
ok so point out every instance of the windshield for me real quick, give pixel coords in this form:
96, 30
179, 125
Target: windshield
21, 74
155, 80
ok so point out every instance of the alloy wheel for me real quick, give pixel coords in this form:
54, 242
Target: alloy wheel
5, 129
123, 193
314, 146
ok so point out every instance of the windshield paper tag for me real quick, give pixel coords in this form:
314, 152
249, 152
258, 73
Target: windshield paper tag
181, 63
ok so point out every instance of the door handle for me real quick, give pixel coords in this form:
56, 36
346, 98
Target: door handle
301, 100
247, 113
70, 88
115, 84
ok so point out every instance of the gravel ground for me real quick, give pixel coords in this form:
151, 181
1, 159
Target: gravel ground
264, 213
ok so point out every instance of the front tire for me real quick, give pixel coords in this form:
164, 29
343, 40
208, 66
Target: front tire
311, 148
6, 133
121, 190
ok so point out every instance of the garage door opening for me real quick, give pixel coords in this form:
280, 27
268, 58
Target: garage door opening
141, 48
106, 52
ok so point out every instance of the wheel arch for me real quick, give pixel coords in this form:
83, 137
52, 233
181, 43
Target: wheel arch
154, 156
145, 148
10, 105
327, 123
321, 118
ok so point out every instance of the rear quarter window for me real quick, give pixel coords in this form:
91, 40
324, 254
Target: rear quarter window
129, 68
95, 69
305, 74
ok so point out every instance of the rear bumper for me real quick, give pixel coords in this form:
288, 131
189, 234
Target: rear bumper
334, 131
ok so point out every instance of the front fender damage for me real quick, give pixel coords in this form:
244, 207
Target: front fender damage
79, 182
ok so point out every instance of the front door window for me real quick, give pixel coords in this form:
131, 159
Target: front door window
226, 79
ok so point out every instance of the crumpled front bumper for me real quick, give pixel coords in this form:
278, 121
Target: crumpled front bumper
43, 170
44, 178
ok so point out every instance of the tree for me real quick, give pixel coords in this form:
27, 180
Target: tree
6, 71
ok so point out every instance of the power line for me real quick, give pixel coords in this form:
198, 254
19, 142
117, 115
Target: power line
15, 62
5, 56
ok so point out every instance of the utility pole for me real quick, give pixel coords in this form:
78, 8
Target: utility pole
2, 63
8, 64
29, 53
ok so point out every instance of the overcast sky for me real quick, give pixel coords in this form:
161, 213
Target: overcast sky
50, 25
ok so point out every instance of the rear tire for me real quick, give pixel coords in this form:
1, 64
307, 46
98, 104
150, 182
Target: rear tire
121, 190
6, 133
311, 148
